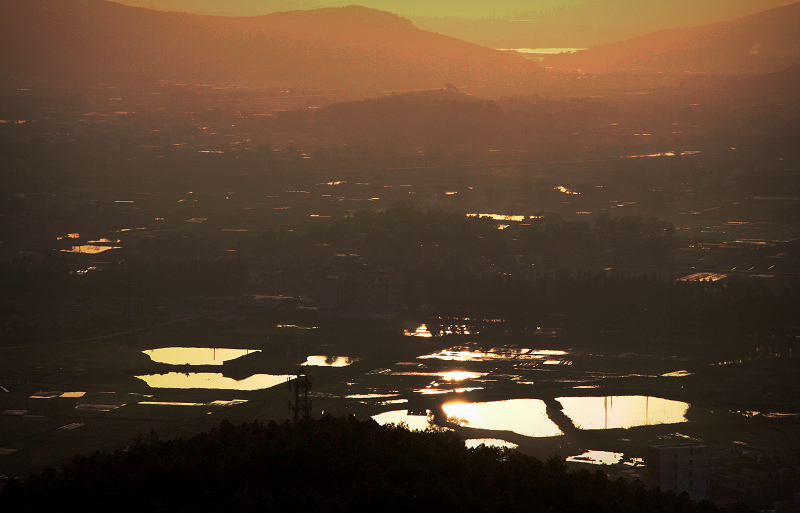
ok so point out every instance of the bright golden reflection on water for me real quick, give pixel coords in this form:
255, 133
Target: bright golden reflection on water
445, 376
89, 249
622, 411
329, 361
461, 375
526, 417
460, 354
598, 457
195, 355
489, 442
413, 422
421, 331
502, 217
212, 380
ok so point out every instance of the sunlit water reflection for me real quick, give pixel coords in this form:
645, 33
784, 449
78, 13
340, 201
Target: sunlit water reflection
489, 442
526, 417
421, 331
457, 375
212, 380
622, 411
329, 361
598, 457
462, 354
434, 390
413, 422
89, 249
195, 355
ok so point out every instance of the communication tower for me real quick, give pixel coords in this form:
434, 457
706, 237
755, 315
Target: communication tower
302, 404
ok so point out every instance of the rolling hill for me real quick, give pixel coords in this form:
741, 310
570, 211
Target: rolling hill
349, 48
761, 43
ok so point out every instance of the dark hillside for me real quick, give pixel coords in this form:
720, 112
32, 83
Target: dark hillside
765, 42
331, 464
352, 48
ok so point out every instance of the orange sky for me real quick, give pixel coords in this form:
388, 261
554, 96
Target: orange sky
703, 10
555, 22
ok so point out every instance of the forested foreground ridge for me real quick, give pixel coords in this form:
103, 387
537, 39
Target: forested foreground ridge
329, 464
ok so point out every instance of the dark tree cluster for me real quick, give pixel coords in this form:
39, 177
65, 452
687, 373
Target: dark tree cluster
330, 464
606, 301
152, 278
407, 237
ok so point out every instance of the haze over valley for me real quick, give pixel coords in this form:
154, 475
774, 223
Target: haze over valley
589, 253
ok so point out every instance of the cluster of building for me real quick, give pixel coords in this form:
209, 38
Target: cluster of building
726, 476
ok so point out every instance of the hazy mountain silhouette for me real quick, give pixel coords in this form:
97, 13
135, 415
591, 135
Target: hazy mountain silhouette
760, 43
336, 48
440, 117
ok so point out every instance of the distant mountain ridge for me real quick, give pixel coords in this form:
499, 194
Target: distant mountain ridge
335, 48
760, 43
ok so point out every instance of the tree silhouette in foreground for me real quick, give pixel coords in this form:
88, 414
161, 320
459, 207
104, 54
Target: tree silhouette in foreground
329, 464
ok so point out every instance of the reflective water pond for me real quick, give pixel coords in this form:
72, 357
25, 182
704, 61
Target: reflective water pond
622, 411
456, 375
329, 361
212, 403
435, 390
489, 442
212, 380
89, 249
195, 355
526, 417
503, 217
421, 331
677, 374
598, 457
465, 354
413, 422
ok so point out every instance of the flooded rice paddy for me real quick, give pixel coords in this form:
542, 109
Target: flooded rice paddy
549, 392
195, 355
504, 395
202, 356
597, 457
527, 417
622, 411
329, 361
530, 417
465, 354
489, 442
212, 380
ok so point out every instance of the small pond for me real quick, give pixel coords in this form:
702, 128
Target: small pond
195, 355
597, 457
464, 354
526, 417
414, 422
489, 442
212, 380
329, 361
622, 411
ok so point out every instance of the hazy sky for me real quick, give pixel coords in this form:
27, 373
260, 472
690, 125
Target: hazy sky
701, 9
536, 23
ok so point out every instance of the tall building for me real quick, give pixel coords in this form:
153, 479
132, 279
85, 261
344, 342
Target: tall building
680, 468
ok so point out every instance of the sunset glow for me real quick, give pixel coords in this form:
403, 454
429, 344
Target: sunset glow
555, 227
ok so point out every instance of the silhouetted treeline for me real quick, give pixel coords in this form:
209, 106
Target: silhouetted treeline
443, 117
528, 271
331, 464
449, 119
409, 238
605, 301
160, 278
